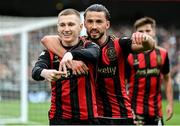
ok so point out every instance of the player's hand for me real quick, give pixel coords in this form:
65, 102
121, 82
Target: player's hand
138, 38
169, 112
79, 67
51, 75
66, 62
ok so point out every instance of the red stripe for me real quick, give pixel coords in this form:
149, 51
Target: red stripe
160, 105
66, 102
152, 94
132, 74
153, 61
140, 96
141, 86
82, 98
93, 91
53, 102
109, 85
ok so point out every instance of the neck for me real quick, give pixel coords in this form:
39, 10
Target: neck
102, 40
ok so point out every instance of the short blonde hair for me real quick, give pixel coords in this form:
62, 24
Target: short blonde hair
69, 12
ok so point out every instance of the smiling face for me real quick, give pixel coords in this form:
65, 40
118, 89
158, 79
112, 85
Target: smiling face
69, 27
96, 25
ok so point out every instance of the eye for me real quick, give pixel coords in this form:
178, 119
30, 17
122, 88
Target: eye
99, 21
89, 21
141, 31
71, 24
61, 24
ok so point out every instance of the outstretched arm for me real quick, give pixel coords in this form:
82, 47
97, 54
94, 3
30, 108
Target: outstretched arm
142, 42
89, 52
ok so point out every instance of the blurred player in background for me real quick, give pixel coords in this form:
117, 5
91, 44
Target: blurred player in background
146, 71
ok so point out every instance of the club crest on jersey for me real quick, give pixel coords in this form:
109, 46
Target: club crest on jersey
111, 54
136, 62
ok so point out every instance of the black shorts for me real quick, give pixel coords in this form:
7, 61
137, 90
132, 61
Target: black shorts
116, 121
94, 121
149, 120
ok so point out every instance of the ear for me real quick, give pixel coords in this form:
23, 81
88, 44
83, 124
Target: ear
84, 23
108, 25
81, 26
154, 32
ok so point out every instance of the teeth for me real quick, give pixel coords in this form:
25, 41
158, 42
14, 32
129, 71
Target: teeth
66, 34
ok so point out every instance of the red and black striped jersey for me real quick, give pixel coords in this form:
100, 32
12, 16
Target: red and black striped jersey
112, 97
72, 97
144, 78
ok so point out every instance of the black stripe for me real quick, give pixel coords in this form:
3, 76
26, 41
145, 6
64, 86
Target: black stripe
89, 97
59, 110
158, 57
136, 83
147, 86
74, 98
58, 93
104, 97
119, 96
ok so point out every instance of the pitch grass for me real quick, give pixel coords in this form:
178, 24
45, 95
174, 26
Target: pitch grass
38, 112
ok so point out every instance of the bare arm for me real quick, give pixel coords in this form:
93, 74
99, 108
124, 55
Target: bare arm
52, 43
169, 95
142, 42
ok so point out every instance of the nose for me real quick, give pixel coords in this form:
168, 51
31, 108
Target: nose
66, 28
94, 25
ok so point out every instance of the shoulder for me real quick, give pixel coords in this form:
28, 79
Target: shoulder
86, 41
44, 52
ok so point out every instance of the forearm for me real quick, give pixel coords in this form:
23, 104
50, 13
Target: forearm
36, 73
90, 53
42, 63
168, 89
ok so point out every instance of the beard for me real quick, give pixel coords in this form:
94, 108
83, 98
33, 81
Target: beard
95, 39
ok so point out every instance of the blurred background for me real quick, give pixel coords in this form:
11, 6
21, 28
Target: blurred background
24, 23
